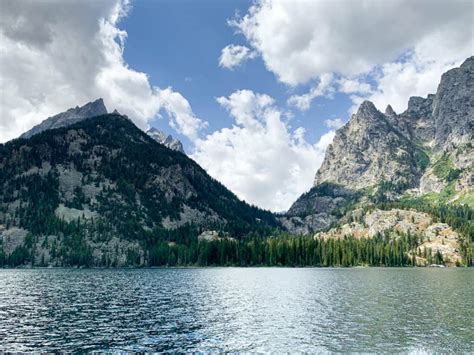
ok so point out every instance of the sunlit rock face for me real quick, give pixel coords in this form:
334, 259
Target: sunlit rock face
367, 150
69, 117
375, 146
166, 139
395, 223
426, 149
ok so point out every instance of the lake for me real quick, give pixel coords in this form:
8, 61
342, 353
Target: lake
238, 310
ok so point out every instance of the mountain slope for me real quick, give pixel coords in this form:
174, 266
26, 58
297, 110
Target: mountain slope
105, 186
425, 152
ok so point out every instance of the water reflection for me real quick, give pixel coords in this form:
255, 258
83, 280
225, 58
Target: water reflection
232, 309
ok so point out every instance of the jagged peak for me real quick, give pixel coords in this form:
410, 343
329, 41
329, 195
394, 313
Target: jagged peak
366, 104
389, 111
96, 105
415, 102
367, 109
71, 116
165, 139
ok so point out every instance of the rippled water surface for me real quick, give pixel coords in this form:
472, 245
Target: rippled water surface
233, 309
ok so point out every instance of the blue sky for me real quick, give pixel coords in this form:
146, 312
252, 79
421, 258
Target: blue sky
254, 90
178, 44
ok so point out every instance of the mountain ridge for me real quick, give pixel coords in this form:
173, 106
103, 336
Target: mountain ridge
69, 117
423, 152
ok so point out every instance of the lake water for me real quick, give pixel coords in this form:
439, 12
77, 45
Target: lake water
238, 309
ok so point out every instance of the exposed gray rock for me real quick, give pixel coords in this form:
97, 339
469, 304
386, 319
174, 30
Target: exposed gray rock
394, 223
420, 150
69, 117
453, 108
166, 140
12, 238
209, 236
417, 121
308, 224
71, 214
373, 146
190, 215
320, 199
317, 209
368, 150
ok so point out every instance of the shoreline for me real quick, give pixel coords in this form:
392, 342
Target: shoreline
230, 267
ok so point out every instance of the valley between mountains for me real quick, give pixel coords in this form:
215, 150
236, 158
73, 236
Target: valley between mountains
88, 188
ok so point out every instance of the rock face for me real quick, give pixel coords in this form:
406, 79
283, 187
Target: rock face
69, 117
369, 149
373, 146
453, 108
166, 140
394, 223
318, 209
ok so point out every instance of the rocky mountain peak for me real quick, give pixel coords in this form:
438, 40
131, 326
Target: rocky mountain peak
389, 111
93, 108
367, 150
427, 148
69, 117
367, 109
166, 139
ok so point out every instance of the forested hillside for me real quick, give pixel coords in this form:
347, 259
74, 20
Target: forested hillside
102, 187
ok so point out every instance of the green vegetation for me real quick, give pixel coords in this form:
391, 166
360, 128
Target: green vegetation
444, 169
466, 198
422, 159
283, 250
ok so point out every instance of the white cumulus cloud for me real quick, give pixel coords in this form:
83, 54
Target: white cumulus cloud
322, 88
260, 157
56, 55
404, 44
234, 55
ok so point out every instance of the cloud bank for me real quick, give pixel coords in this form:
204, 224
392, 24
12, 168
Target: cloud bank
235, 55
56, 57
261, 158
402, 45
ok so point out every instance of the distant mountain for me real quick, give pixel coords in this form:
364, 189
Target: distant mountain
69, 117
166, 140
101, 190
425, 152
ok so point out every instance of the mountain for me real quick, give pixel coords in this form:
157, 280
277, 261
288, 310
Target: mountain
69, 117
369, 149
166, 140
374, 147
101, 190
423, 153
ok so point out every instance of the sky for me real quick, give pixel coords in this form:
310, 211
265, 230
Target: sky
254, 89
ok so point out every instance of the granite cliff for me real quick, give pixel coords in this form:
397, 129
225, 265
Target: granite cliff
425, 152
